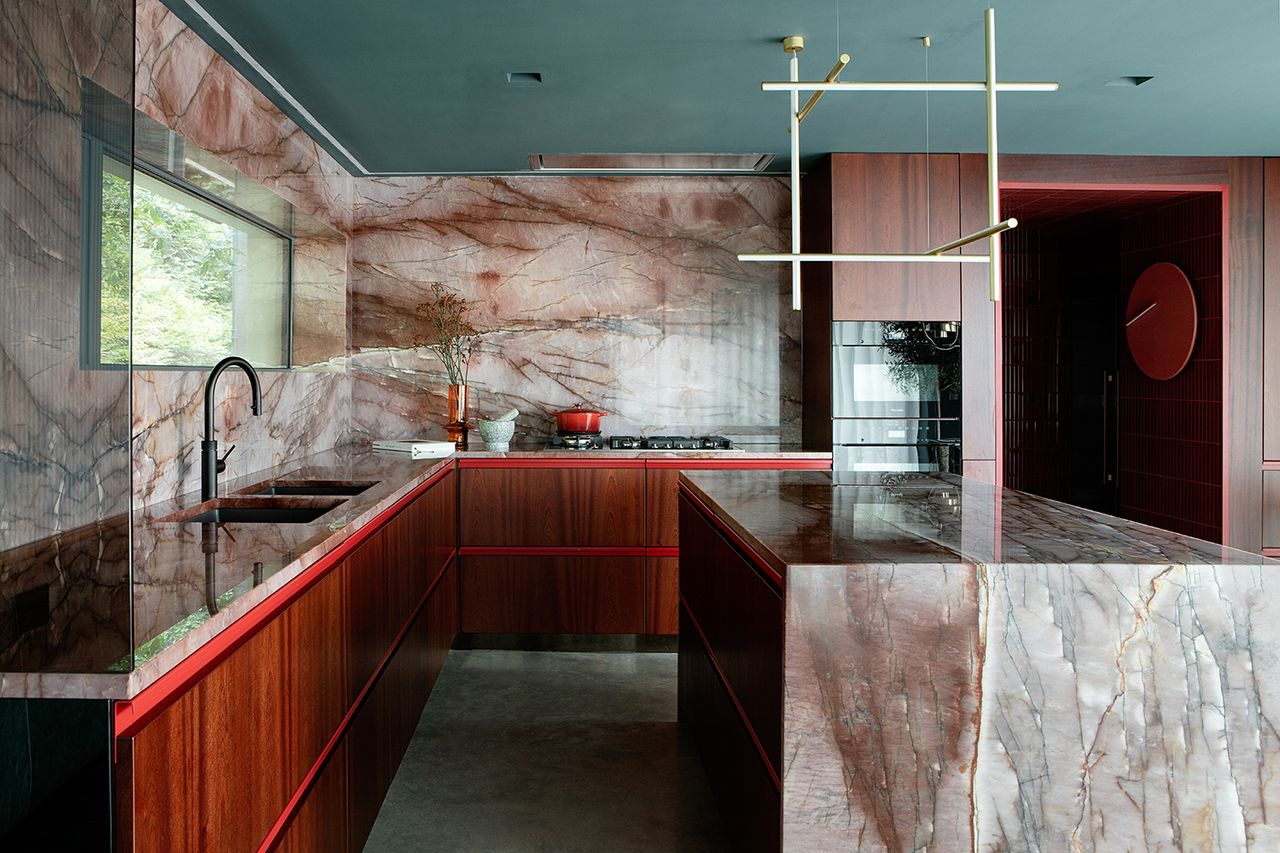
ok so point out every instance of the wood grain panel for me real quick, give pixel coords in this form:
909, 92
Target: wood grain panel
553, 595
1271, 322
1087, 169
211, 772
1244, 296
748, 800
662, 595
320, 825
894, 203
662, 513
981, 437
741, 615
584, 507
366, 579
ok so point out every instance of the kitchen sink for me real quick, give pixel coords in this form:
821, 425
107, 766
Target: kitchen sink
256, 510
308, 487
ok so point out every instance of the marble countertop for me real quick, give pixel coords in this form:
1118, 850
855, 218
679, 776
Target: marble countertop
113, 635
795, 518
972, 668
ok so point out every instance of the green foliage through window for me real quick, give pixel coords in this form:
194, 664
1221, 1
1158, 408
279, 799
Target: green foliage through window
206, 283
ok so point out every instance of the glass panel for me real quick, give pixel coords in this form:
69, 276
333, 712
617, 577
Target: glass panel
206, 283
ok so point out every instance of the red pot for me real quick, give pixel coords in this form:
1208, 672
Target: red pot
578, 419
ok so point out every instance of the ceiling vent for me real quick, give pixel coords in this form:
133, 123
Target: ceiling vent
524, 77
1130, 82
661, 163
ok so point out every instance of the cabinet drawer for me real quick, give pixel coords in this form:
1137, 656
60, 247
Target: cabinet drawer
553, 595
580, 507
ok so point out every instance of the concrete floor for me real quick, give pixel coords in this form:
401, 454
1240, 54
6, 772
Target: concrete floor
550, 751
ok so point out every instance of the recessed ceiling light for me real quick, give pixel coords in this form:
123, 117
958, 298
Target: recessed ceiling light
1136, 80
666, 163
524, 77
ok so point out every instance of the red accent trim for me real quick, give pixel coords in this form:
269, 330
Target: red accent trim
131, 715
662, 551
733, 697
771, 574
1271, 466
743, 464
1271, 552
1086, 185
550, 551
276, 833
1226, 360
534, 462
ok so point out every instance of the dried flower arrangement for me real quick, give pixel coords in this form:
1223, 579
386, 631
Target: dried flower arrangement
444, 329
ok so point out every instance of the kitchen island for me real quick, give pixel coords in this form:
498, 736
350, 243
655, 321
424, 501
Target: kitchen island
931, 662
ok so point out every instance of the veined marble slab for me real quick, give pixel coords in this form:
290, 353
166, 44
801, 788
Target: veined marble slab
1010, 673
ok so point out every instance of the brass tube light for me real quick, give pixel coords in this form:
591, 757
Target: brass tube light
990, 86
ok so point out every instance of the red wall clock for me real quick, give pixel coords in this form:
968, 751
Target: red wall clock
1161, 320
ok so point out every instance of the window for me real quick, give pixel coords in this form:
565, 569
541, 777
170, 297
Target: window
208, 280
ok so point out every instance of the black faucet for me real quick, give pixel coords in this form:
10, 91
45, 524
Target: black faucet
210, 465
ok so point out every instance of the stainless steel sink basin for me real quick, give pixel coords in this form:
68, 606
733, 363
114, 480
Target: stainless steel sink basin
241, 509
308, 487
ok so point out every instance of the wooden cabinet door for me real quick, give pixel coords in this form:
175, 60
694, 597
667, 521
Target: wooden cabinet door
662, 595
549, 507
894, 203
320, 825
553, 594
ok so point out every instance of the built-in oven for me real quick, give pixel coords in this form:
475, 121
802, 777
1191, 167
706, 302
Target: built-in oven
895, 400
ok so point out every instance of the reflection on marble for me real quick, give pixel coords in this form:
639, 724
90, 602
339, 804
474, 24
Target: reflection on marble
63, 430
973, 668
621, 293
186, 87
66, 601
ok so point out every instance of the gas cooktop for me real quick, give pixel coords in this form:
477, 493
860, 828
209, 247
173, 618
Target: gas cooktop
595, 441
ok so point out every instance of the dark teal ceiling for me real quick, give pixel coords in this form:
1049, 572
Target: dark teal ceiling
413, 86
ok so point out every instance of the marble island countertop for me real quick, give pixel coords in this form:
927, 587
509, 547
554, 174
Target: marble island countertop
972, 668
109, 634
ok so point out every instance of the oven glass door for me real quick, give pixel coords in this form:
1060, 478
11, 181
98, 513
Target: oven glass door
895, 370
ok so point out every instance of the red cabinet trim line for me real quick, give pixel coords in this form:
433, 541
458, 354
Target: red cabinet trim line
130, 715
663, 551
276, 833
769, 572
733, 697
550, 551
464, 462
742, 464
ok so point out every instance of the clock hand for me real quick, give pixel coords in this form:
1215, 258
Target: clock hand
1140, 314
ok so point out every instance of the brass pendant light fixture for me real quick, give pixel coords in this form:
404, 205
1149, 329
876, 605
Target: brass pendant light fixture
938, 254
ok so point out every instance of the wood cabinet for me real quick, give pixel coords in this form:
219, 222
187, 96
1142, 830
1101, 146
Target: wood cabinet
217, 763
891, 203
662, 595
570, 505
553, 594
730, 677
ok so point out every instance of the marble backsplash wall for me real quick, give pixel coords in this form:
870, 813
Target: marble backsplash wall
622, 293
185, 85
63, 429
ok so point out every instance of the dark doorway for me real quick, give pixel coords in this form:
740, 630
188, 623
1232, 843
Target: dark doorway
1082, 424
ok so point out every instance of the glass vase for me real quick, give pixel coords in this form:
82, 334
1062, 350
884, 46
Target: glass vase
456, 427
